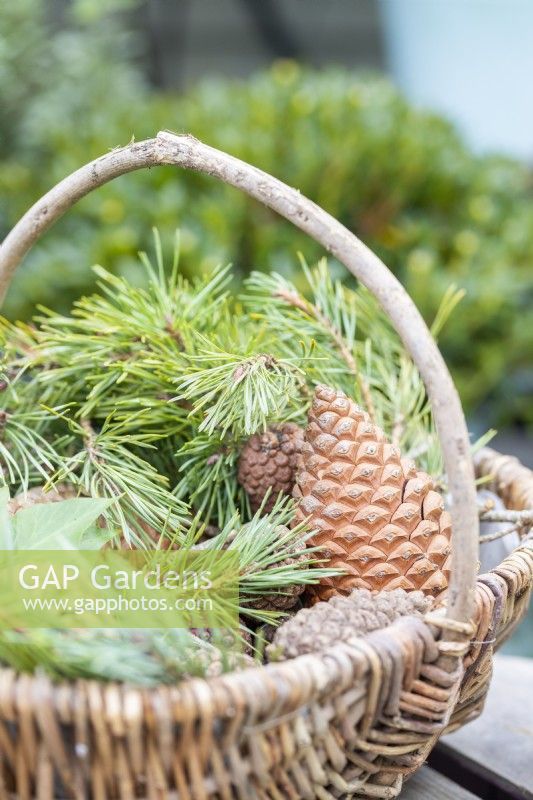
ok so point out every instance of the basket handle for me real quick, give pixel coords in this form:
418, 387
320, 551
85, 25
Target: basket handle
186, 151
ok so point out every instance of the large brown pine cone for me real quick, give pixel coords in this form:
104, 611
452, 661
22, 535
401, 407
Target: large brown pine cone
268, 461
378, 518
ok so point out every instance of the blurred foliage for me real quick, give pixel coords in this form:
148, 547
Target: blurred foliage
399, 178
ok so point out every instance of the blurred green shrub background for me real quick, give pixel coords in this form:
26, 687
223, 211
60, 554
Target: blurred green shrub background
401, 179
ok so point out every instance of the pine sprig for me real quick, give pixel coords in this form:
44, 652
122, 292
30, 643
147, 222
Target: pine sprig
208, 478
142, 658
24, 452
117, 357
27, 451
238, 393
264, 544
106, 465
327, 320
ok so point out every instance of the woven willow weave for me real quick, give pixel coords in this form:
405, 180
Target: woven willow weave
353, 722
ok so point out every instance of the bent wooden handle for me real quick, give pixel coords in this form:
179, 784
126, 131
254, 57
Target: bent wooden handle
186, 151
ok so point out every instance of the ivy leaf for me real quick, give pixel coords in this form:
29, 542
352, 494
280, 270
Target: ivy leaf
62, 526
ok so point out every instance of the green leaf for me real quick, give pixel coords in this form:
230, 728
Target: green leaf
61, 526
95, 537
6, 529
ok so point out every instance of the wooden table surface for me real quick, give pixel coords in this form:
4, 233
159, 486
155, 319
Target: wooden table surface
427, 784
494, 754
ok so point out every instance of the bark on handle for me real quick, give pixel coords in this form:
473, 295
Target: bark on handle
186, 151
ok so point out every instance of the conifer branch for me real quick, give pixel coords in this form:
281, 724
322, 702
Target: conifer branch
142, 658
295, 300
238, 393
492, 537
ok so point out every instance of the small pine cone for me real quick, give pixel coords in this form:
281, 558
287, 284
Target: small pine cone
287, 596
37, 496
343, 618
377, 517
283, 600
269, 461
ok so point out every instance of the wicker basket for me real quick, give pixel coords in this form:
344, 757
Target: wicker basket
353, 722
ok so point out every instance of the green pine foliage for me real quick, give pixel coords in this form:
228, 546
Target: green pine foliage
263, 545
142, 658
142, 398
145, 395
